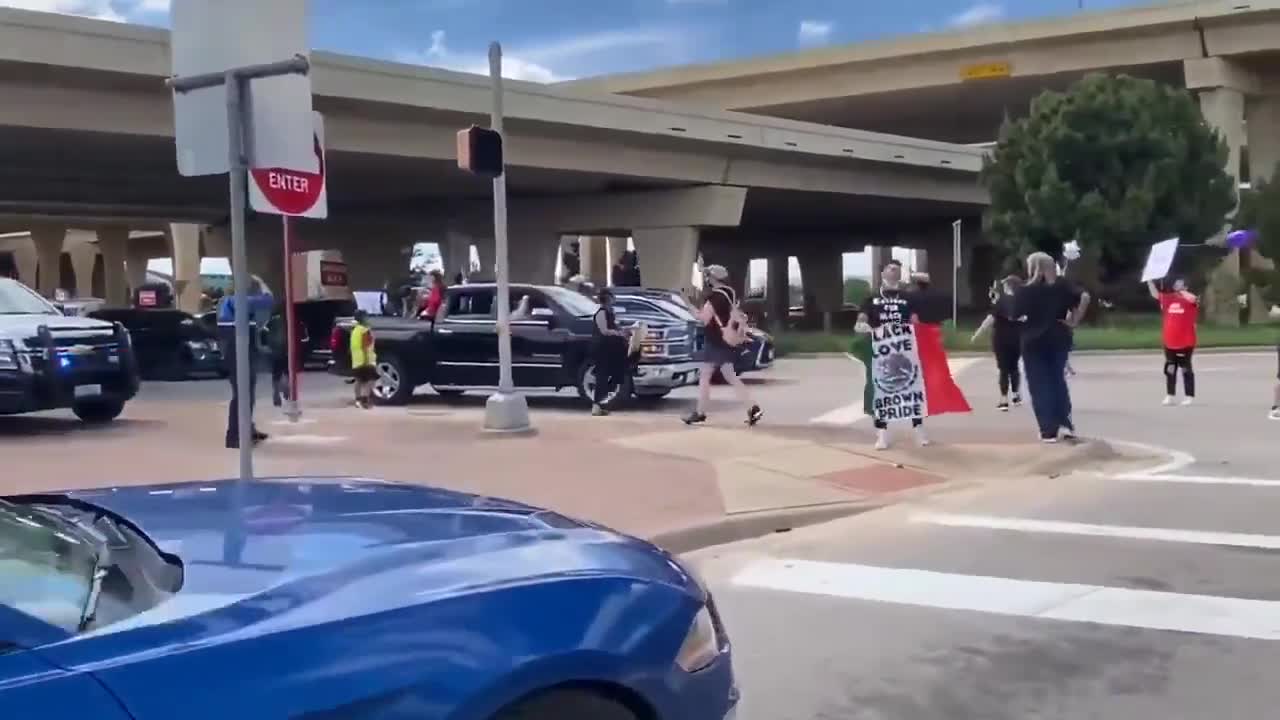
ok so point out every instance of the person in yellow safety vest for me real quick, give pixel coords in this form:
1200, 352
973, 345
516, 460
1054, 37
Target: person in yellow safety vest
364, 360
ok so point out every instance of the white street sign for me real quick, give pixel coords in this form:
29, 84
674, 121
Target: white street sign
211, 36
298, 193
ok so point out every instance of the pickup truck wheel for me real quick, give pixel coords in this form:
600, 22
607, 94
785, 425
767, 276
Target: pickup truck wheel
98, 412
565, 704
587, 387
392, 386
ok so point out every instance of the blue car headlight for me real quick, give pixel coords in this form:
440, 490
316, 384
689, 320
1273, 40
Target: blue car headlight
701, 646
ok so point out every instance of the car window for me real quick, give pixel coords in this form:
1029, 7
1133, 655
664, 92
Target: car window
536, 300
45, 571
574, 303
471, 305
18, 299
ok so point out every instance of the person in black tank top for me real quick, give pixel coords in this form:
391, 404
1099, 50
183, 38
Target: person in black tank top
717, 314
608, 352
1006, 341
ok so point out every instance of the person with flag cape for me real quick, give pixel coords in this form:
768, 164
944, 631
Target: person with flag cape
906, 367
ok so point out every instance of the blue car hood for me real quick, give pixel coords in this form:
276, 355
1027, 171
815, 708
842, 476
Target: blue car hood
285, 552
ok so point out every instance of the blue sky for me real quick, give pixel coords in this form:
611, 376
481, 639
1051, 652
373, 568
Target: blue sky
548, 40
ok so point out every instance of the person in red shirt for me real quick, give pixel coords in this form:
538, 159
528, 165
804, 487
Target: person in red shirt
1181, 310
430, 309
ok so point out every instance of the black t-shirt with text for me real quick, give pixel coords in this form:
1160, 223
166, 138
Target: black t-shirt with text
1046, 306
888, 306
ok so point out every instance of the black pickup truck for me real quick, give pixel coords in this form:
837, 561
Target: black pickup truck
550, 339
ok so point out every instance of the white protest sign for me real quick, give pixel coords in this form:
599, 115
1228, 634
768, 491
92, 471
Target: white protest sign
896, 373
213, 36
1160, 260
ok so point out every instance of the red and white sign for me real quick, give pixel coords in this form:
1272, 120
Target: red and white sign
147, 298
281, 191
333, 273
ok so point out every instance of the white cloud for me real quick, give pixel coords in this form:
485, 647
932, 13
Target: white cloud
113, 10
814, 32
555, 61
980, 14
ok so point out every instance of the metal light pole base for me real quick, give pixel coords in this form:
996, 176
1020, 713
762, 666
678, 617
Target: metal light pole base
506, 413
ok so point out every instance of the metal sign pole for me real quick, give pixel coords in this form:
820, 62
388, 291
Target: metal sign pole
236, 82
291, 408
955, 273
506, 410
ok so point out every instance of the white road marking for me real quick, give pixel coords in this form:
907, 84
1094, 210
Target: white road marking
307, 439
988, 522
1167, 471
1102, 605
852, 413
299, 421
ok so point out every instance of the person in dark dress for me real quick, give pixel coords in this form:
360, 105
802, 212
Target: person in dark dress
1051, 307
626, 273
1006, 341
608, 352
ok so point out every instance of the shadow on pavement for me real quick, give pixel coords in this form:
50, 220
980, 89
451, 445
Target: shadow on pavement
29, 426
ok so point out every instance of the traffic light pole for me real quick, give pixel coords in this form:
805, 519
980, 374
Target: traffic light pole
505, 410
236, 82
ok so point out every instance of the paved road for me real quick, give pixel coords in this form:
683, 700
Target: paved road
1156, 596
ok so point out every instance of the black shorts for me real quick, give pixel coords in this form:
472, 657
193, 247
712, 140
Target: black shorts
365, 373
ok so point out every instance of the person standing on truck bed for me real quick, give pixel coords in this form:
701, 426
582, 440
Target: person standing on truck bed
259, 303
608, 352
364, 360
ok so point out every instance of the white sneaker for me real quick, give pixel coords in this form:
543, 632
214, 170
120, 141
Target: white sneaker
1168, 400
1188, 401
882, 439
922, 437
1274, 414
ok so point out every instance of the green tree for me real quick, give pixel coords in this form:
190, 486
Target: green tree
1116, 163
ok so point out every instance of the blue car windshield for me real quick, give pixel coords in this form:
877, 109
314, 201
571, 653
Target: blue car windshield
574, 303
46, 569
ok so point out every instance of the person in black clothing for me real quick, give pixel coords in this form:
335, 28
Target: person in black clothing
608, 352
1051, 307
626, 273
718, 317
1006, 341
929, 305
893, 304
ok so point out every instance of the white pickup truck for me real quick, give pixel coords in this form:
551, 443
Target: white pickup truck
50, 361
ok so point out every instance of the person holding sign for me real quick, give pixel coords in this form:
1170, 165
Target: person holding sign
893, 388
1180, 309
1052, 307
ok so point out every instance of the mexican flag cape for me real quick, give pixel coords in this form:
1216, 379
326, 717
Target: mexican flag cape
907, 373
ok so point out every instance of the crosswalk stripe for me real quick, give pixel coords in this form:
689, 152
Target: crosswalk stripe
1098, 604
1201, 537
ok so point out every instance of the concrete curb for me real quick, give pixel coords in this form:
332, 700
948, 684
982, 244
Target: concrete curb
744, 526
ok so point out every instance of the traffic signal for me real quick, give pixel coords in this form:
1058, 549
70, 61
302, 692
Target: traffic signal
480, 151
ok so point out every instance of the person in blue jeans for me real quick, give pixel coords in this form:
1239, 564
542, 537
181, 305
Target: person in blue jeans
1052, 307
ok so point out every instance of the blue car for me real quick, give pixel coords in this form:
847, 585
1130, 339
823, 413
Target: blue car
321, 599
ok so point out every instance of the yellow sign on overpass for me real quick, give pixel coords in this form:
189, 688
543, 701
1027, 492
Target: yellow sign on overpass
983, 71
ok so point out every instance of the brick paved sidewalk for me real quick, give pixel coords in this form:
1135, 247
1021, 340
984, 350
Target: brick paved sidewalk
644, 474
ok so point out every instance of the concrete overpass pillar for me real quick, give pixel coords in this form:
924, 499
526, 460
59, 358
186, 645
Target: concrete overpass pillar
1223, 108
27, 263
112, 242
727, 249
777, 294
84, 256
48, 241
184, 247
594, 250
614, 246
1262, 120
822, 276
455, 254
136, 257
880, 254
666, 257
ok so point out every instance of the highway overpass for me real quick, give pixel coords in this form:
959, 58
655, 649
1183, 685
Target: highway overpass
87, 141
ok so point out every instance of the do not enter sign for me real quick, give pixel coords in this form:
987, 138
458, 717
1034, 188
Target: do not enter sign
300, 193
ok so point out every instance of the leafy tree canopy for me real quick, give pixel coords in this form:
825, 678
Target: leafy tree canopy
1116, 163
1260, 211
